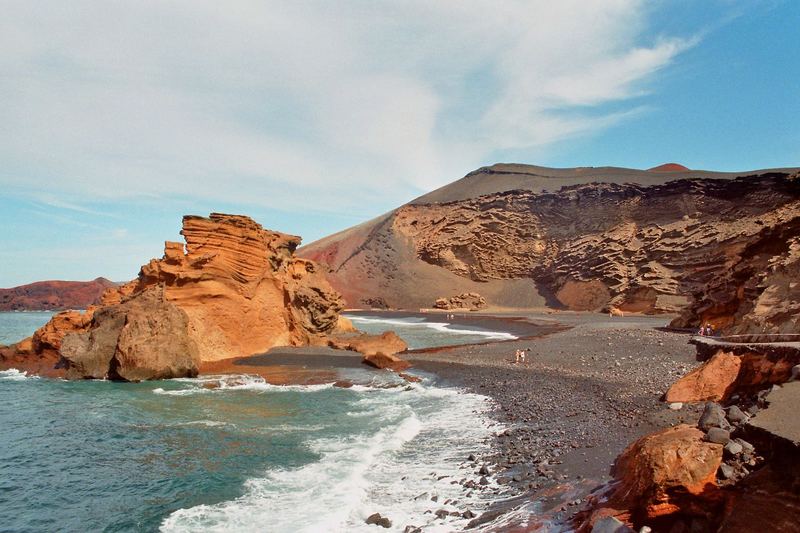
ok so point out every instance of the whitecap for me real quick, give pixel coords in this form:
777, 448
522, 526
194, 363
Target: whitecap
428, 430
12, 374
234, 382
443, 327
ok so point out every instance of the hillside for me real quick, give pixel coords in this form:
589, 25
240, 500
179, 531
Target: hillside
582, 239
53, 295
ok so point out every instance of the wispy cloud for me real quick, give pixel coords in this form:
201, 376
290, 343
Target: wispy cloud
312, 103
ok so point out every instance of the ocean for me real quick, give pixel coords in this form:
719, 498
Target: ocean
234, 453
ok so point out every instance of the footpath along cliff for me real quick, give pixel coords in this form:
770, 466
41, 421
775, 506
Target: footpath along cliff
233, 289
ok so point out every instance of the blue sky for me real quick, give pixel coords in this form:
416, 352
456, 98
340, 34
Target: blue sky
311, 116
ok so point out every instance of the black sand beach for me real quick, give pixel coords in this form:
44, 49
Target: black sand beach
589, 386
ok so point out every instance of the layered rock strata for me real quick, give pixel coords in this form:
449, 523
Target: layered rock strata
728, 244
471, 301
233, 290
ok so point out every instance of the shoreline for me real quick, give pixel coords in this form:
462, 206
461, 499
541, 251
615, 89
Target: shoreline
584, 394
591, 385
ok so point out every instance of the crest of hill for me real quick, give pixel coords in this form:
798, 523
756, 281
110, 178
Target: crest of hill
504, 177
53, 295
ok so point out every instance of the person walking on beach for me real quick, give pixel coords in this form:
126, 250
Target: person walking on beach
517, 356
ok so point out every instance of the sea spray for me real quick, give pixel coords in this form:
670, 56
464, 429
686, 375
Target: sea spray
416, 446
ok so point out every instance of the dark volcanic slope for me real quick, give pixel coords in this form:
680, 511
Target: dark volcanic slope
53, 295
583, 239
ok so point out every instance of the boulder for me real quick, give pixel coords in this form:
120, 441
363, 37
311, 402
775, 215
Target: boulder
714, 380
718, 436
736, 415
387, 343
713, 417
384, 361
378, 520
664, 475
146, 337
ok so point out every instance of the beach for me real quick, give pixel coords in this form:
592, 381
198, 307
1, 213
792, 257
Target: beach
590, 385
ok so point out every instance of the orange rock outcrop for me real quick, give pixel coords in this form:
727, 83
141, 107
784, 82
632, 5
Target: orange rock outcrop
242, 288
235, 289
738, 364
663, 475
714, 380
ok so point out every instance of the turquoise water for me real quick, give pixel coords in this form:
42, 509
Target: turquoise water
16, 326
233, 453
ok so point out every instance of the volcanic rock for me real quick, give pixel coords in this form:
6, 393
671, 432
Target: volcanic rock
718, 436
378, 520
235, 289
739, 364
387, 343
669, 473
146, 337
714, 380
51, 295
713, 417
385, 361
242, 289
604, 238
470, 301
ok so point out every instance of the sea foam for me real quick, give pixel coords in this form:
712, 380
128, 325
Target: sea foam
443, 327
417, 445
12, 374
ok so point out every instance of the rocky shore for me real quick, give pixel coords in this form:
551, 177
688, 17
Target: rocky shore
579, 398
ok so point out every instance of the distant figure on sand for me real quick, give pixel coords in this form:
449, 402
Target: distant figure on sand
517, 355
522, 355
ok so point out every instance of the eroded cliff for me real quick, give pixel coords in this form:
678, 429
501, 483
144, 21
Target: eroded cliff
642, 248
233, 290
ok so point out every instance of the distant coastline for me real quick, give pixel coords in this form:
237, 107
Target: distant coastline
54, 295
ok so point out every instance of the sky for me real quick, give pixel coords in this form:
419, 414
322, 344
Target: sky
117, 118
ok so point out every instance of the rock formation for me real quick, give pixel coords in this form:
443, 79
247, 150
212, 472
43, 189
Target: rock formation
604, 238
664, 475
737, 469
53, 295
144, 337
737, 365
471, 301
379, 350
242, 288
235, 289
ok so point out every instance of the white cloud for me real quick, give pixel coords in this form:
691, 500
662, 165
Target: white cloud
286, 104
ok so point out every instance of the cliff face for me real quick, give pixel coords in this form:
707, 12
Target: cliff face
53, 295
241, 287
643, 248
235, 290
